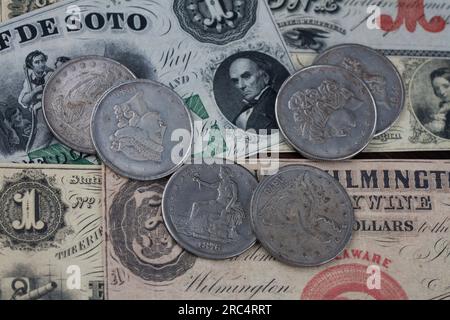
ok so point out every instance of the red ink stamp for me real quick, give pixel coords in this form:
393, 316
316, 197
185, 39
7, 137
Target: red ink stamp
411, 13
349, 281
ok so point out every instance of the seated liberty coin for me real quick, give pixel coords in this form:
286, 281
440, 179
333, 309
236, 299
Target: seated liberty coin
132, 127
302, 216
326, 113
206, 209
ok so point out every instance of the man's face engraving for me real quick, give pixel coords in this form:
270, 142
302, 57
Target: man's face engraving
39, 64
248, 78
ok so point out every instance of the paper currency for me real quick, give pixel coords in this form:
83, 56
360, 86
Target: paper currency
425, 123
157, 40
414, 40
13, 8
56, 153
400, 248
51, 232
314, 25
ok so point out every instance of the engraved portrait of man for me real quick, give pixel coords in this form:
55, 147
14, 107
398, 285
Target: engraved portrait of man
252, 79
246, 87
37, 74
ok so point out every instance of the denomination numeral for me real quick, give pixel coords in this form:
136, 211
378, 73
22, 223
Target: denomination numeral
30, 219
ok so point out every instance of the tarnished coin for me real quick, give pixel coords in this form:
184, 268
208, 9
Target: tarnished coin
326, 113
134, 127
71, 94
302, 216
207, 209
378, 73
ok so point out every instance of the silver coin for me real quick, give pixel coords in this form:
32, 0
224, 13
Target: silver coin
71, 94
132, 127
302, 216
379, 74
326, 113
206, 209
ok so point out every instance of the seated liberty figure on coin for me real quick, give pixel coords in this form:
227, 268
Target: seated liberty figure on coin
206, 209
230, 213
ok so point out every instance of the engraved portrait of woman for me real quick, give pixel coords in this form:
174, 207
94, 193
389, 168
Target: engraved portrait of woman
429, 95
439, 123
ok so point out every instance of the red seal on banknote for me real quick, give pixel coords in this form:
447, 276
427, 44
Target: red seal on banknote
349, 281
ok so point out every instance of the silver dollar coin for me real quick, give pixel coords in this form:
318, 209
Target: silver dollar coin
380, 75
71, 94
302, 216
206, 209
326, 113
132, 127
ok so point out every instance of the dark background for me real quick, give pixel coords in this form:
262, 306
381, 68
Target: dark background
228, 97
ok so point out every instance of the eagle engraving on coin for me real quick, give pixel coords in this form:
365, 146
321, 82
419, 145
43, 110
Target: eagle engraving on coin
324, 112
304, 212
139, 236
32, 211
84, 88
140, 133
71, 94
302, 216
216, 21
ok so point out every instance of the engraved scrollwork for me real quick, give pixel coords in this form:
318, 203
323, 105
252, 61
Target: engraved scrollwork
140, 238
216, 21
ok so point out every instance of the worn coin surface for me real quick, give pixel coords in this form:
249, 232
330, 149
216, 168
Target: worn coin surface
377, 72
207, 209
71, 94
326, 113
132, 128
302, 216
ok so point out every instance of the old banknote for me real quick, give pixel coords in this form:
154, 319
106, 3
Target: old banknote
398, 27
191, 47
424, 124
400, 248
414, 34
50, 232
13, 8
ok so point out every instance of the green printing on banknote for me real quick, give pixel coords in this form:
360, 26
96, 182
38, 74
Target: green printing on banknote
60, 154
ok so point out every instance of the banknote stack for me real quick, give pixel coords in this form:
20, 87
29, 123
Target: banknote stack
120, 180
